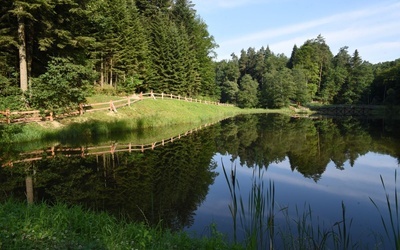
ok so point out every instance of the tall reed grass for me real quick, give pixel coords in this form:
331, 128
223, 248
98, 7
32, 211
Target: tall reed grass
259, 234
391, 221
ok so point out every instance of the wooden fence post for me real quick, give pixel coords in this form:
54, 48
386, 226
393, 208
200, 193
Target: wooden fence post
112, 107
141, 95
8, 116
129, 101
80, 109
162, 95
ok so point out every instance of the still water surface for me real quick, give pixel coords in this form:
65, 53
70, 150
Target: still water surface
313, 164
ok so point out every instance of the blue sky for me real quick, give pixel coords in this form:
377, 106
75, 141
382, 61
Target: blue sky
370, 26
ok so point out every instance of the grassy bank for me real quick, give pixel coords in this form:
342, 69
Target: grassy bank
144, 114
40, 226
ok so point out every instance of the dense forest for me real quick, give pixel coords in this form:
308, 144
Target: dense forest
55, 53
312, 73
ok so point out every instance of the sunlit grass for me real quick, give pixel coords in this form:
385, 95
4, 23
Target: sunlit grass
144, 114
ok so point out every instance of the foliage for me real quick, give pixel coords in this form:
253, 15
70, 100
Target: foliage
312, 73
64, 86
165, 46
247, 96
132, 45
10, 96
278, 88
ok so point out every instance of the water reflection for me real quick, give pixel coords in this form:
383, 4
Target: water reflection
177, 184
164, 185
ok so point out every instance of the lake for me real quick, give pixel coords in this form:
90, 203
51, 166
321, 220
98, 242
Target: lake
326, 175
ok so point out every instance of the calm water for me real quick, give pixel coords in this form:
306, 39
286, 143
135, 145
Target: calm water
318, 164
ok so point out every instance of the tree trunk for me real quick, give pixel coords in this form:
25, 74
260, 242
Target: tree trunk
102, 73
111, 72
23, 66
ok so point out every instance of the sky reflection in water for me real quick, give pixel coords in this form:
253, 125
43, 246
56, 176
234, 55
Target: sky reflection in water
353, 185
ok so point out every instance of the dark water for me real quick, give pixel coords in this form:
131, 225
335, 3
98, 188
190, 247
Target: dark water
314, 165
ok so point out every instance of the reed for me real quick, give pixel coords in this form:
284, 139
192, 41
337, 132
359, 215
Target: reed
304, 234
256, 216
391, 225
342, 237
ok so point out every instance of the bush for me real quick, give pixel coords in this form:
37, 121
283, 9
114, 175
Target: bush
64, 86
10, 95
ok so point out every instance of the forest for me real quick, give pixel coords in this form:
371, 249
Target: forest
55, 53
261, 78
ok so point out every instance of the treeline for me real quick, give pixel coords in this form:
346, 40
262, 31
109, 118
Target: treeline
54, 52
312, 73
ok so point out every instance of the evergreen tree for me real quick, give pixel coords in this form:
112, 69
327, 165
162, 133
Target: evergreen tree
356, 88
150, 8
314, 57
39, 28
290, 63
338, 76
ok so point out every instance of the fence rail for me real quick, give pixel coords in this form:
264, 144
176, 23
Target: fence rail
8, 116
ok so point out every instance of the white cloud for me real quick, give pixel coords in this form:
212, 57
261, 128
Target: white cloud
364, 28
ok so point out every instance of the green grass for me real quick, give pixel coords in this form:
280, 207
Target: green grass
144, 114
41, 226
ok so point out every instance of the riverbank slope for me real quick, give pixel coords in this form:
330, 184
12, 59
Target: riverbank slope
140, 115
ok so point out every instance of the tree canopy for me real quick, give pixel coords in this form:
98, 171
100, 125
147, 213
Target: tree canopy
163, 45
312, 73
131, 45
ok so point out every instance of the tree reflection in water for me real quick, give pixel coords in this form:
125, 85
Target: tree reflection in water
165, 186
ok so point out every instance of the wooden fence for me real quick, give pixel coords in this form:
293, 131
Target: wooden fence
96, 150
8, 116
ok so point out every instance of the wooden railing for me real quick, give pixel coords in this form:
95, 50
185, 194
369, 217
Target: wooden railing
8, 116
96, 150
